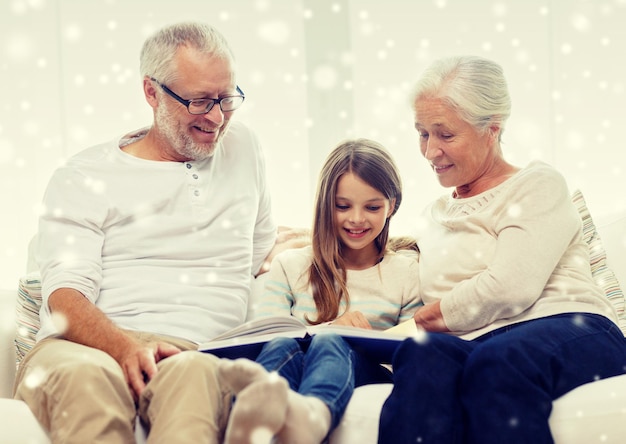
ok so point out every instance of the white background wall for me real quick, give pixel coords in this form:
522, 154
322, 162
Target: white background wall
314, 72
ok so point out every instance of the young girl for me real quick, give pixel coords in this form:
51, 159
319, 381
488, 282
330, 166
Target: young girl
347, 276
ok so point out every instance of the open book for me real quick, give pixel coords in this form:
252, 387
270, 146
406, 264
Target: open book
246, 340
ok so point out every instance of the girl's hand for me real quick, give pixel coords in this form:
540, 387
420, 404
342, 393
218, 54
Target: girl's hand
429, 318
353, 319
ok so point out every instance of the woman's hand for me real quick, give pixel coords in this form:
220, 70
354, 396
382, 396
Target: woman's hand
353, 319
429, 318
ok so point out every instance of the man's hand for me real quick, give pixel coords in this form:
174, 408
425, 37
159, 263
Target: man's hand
429, 318
353, 319
138, 361
86, 324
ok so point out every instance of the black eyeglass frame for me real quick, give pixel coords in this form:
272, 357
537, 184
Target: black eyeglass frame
210, 104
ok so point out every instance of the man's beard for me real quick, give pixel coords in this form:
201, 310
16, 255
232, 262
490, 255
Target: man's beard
180, 141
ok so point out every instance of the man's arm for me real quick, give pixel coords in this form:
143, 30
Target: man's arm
287, 238
82, 322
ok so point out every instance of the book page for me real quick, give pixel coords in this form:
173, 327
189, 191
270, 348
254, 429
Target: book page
273, 324
407, 328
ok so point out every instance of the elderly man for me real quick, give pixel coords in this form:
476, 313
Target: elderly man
146, 248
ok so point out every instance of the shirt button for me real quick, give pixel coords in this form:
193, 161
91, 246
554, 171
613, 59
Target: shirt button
195, 176
196, 193
188, 166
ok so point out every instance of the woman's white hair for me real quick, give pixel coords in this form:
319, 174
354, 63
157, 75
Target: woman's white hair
157, 54
474, 87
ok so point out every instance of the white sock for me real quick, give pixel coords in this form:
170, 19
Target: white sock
239, 373
259, 412
307, 422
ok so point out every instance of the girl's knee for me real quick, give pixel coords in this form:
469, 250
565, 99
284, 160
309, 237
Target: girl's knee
284, 345
330, 341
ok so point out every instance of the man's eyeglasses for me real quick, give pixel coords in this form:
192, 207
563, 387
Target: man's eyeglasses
203, 106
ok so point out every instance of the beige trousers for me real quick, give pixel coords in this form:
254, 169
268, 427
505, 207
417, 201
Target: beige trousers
79, 395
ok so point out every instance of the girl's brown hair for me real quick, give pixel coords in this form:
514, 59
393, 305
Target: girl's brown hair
371, 162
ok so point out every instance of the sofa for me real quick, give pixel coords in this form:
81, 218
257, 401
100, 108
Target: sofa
592, 413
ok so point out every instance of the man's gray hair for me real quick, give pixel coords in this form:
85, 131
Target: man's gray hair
157, 54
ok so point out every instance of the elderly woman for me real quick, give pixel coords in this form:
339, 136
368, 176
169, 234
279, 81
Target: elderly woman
512, 315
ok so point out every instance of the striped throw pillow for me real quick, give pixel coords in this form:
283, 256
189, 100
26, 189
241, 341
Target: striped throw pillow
603, 275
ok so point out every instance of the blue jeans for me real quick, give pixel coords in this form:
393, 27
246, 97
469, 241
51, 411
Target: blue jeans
324, 366
499, 387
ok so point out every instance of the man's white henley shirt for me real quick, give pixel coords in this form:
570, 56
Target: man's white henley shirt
164, 247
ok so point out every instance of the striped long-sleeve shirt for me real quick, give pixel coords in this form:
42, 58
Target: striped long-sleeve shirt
386, 294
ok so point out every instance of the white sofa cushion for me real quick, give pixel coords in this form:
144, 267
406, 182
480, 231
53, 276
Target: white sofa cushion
19, 425
591, 413
360, 422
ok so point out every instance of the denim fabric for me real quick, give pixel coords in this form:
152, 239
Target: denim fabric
499, 387
322, 366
